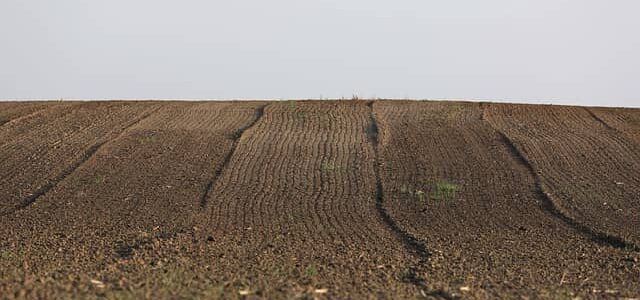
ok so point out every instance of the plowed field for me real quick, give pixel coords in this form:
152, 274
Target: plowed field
318, 199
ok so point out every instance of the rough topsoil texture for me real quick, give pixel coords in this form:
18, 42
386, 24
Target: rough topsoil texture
318, 199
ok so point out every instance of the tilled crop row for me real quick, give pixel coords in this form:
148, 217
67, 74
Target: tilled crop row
455, 184
13, 112
138, 187
590, 171
317, 199
626, 121
35, 159
302, 184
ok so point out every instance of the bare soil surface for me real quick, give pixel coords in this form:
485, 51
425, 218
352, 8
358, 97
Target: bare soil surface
496, 232
590, 171
626, 121
318, 199
13, 112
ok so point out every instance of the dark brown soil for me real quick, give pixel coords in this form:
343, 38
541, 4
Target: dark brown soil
318, 199
588, 169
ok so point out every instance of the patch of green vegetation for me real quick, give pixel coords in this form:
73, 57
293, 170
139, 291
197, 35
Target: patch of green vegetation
409, 274
6, 254
628, 246
329, 167
406, 189
147, 139
300, 115
420, 195
99, 179
311, 271
443, 190
440, 190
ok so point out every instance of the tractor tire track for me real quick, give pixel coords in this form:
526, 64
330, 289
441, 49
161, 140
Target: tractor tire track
584, 168
554, 209
412, 243
312, 199
495, 223
86, 155
22, 117
300, 190
600, 120
624, 121
236, 136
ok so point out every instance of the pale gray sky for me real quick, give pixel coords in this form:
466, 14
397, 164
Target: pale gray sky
584, 52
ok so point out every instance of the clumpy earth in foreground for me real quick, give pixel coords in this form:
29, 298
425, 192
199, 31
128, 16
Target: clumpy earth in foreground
318, 199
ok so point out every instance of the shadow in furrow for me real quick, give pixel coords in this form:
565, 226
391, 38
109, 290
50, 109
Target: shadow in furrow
410, 242
600, 120
552, 208
88, 153
236, 138
18, 119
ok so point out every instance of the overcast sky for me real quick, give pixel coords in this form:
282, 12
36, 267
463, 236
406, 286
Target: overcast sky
584, 52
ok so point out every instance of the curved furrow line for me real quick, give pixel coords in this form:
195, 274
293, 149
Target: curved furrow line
270, 166
600, 120
621, 145
86, 155
585, 166
40, 129
218, 172
53, 145
224, 212
556, 210
413, 244
285, 197
354, 181
493, 224
48, 146
624, 120
323, 223
625, 141
320, 152
22, 117
8, 133
325, 190
245, 213
331, 179
299, 177
270, 181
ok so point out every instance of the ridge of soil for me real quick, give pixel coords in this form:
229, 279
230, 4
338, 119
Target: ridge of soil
318, 199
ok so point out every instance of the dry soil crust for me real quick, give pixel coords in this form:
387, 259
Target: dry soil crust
318, 199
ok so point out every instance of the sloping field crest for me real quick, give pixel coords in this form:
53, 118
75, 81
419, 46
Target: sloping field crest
318, 199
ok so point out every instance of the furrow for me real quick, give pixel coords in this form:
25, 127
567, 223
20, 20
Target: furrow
41, 143
600, 120
46, 146
554, 209
15, 112
87, 154
623, 120
12, 131
588, 169
236, 136
299, 193
450, 179
413, 244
